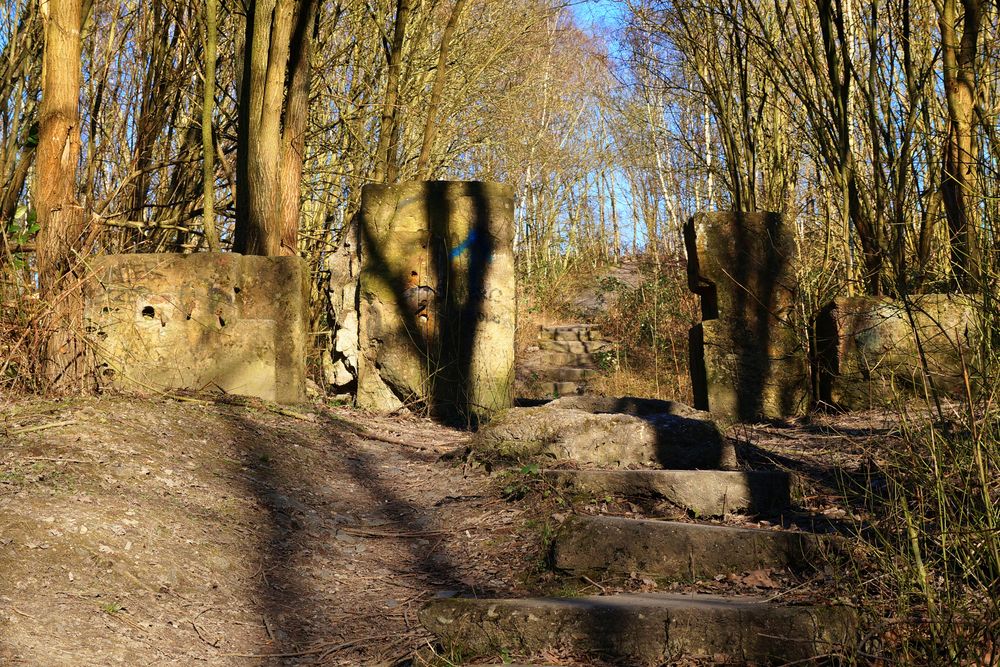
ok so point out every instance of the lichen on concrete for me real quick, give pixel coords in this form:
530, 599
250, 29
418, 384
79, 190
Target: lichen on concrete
199, 322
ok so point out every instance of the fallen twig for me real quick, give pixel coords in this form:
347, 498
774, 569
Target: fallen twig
42, 427
18, 611
367, 532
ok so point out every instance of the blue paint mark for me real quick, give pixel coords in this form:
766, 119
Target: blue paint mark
464, 245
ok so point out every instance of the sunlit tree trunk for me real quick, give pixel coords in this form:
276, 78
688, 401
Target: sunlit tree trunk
440, 78
59, 214
208, 151
273, 104
386, 167
958, 184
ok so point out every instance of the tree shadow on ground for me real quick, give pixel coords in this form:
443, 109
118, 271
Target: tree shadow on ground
851, 484
302, 515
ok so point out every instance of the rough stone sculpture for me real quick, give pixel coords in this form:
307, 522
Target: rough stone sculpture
870, 348
437, 298
217, 322
748, 358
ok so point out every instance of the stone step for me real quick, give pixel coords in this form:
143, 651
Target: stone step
566, 374
645, 629
671, 549
575, 346
557, 389
570, 328
703, 492
582, 360
578, 332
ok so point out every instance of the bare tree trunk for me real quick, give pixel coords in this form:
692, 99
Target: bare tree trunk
959, 177
440, 78
262, 146
207, 105
296, 120
58, 142
60, 217
385, 166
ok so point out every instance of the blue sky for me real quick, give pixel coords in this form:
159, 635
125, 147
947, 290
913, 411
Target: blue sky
599, 13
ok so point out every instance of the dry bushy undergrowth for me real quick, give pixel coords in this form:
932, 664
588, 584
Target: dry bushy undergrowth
642, 305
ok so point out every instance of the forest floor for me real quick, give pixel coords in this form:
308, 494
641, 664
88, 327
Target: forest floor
179, 532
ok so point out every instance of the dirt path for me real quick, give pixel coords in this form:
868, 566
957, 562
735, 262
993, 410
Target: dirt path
146, 532
166, 532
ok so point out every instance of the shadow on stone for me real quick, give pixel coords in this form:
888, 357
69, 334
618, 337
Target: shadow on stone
747, 360
437, 299
600, 431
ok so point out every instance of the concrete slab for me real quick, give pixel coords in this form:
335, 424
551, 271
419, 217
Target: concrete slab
213, 322
704, 492
607, 440
641, 630
583, 360
437, 298
605, 544
574, 346
566, 374
557, 389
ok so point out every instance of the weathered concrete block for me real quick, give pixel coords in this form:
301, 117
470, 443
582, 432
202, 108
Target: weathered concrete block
437, 303
738, 381
647, 629
617, 440
704, 492
748, 356
869, 348
340, 359
608, 544
628, 405
200, 322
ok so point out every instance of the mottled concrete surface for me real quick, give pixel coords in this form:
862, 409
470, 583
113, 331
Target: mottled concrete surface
200, 322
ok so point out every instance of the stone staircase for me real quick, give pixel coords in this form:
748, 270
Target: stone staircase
569, 357
662, 628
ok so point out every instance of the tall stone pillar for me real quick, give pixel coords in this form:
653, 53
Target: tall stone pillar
437, 300
748, 359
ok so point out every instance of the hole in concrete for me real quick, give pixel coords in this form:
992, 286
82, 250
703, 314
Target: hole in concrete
222, 322
148, 312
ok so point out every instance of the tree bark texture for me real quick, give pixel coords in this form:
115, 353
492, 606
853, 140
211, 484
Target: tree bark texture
65, 361
207, 105
958, 185
386, 167
437, 92
58, 149
272, 125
